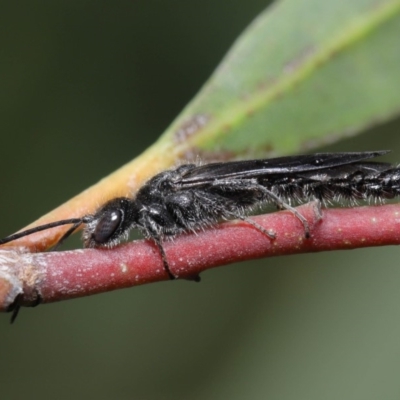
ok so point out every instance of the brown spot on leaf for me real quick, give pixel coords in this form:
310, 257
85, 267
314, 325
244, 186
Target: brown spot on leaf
296, 62
266, 84
191, 127
250, 112
197, 155
205, 157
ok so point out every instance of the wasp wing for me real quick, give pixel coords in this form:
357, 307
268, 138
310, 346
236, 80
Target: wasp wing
248, 169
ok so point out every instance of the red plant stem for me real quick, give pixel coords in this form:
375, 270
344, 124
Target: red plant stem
68, 274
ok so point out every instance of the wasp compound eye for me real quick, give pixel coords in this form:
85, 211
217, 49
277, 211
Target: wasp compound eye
107, 225
110, 224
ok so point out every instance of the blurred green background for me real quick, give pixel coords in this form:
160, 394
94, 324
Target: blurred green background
86, 86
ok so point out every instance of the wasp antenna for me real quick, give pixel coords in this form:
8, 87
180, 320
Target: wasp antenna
15, 236
69, 232
15, 313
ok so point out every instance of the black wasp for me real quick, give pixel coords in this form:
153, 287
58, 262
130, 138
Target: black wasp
192, 197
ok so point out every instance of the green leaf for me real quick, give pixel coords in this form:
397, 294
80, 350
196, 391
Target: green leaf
305, 73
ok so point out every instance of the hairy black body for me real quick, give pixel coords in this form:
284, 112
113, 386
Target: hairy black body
190, 197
